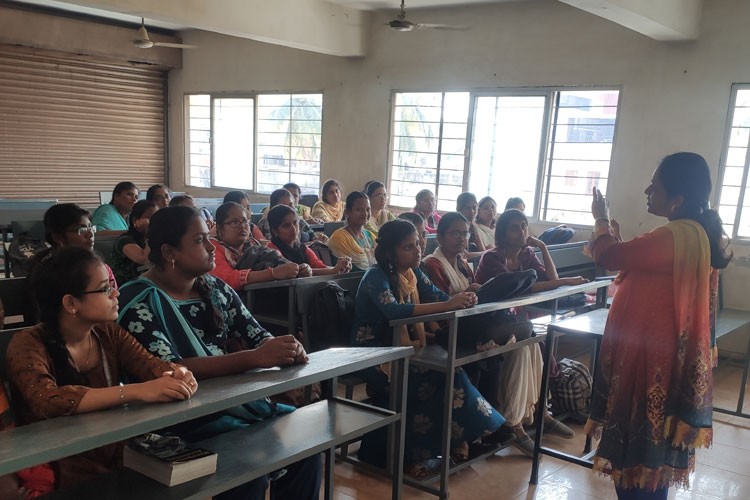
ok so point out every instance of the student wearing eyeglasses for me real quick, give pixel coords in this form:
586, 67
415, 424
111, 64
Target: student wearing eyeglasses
241, 259
68, 225
75, 360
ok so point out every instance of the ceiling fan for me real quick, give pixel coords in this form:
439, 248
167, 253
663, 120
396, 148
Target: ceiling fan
144, 42
403, 24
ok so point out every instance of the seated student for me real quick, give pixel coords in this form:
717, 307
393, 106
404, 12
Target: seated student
447, 266
131, 249
283, 224
182, 314
242, 198
160, 195
240, 258
517, 390
418, 222
329, 208
75, 360
68, 225
113, 216
485, 222
303, 211
426, 208
284, 197
185, 200
379, 215
466, 205
353, 240
395, 288
515, 202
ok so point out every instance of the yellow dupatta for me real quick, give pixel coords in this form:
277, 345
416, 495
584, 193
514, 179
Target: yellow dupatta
691, 428
407, 288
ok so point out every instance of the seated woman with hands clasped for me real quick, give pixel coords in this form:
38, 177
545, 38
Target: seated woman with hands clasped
74, 361
517, 389
182, 314
283, 223
394, 289
241, 259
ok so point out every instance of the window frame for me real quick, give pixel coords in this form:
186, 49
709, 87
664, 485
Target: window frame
545, 157
237, 95
731, 108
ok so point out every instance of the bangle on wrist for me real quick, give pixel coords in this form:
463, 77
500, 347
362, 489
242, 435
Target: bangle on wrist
606, 219
122, 396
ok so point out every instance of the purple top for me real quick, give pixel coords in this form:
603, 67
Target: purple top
493, 263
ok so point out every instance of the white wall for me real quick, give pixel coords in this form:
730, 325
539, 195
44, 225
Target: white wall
674, 96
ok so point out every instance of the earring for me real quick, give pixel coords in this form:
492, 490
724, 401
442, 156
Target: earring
172, 264
74, 313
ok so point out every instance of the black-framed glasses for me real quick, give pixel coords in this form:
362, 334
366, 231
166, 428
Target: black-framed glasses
109, 290
82, 230
238, 222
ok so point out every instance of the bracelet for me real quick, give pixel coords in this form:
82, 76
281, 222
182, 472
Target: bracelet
601, 218
122, 396
272, 276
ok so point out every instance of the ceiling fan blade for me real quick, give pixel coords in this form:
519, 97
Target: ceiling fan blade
175, 45
446, 27
142, 43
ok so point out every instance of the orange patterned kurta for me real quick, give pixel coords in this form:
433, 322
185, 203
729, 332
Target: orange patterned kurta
653, 392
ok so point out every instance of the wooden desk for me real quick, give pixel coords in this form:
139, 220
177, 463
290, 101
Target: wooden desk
447, 360
327, 424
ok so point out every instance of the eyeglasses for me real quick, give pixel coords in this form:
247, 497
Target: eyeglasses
380, 195
463, 235
238, 222
82, 230
109, 290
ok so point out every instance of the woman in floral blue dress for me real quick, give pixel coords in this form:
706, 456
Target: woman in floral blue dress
179, 312
396, 288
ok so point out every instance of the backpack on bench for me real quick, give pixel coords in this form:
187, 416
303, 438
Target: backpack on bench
330, 317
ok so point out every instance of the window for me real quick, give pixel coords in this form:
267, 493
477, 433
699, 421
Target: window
733, 198
429, 139
550, 147
255, 142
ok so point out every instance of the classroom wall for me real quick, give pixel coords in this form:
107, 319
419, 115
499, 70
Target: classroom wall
674, 97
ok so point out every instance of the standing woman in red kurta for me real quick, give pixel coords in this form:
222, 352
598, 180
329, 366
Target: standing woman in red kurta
652, 399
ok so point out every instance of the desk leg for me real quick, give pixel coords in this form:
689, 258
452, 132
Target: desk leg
542, 406
399, 383
448, 409
329, 456
291, 312
594, 360
746, 369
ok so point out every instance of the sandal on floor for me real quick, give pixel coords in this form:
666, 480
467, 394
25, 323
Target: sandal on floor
558, 428
460, 453
426, 469
525, 445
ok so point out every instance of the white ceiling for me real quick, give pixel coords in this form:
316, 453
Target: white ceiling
410, 4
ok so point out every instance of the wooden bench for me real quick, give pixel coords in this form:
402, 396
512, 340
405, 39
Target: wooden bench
243, 455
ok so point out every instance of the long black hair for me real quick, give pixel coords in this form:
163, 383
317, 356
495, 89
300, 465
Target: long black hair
167, 227
294, 252
277, 195
687, 175
58, 218
448, 220
510, 215
66, 271
327, 185
390, 236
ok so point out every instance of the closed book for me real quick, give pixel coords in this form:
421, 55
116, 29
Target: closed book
178, 468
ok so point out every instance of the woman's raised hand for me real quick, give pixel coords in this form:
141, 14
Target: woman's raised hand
462, 300
598, 205
286, 271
